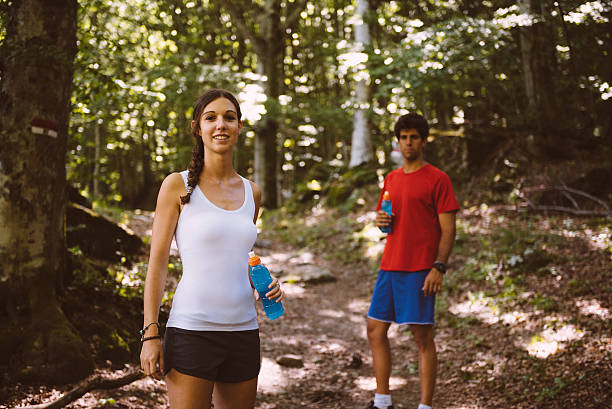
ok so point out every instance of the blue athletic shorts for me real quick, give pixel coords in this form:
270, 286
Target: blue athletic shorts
398, 297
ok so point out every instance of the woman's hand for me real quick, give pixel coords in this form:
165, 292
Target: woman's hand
152, 358
275, 292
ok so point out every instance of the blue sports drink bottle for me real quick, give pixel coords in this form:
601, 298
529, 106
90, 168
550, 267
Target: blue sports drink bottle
385, 206
260, 276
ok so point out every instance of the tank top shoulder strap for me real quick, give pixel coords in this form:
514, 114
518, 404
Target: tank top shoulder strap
184, 175
248, 197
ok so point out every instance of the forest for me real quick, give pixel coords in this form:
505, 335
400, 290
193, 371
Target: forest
96, 99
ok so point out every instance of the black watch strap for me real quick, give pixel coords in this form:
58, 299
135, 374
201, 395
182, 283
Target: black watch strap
440, 266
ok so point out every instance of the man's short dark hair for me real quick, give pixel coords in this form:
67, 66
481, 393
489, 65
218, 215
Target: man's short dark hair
412, 121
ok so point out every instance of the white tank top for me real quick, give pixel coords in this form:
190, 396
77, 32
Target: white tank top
214, 293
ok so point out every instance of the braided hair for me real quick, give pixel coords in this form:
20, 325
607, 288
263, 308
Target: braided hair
197, 155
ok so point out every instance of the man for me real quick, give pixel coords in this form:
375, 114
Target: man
414, 260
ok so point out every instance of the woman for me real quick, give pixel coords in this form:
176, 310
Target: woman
210, 350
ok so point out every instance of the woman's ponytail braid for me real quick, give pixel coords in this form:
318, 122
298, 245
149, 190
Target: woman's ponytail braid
195, 168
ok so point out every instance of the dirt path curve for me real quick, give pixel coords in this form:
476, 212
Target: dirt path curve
324, 324
484, 353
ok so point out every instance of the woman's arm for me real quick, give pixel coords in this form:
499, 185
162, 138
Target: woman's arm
164, 224
276, 292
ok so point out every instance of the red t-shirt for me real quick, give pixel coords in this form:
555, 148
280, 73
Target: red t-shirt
417, 199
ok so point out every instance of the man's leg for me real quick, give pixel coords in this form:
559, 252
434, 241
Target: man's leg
428, 360
381, 353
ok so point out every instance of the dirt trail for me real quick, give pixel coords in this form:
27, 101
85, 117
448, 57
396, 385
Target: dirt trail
483, 362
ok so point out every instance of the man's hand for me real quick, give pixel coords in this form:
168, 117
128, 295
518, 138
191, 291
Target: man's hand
383, 219
433, 282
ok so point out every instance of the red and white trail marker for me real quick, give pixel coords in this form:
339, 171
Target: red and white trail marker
44, 127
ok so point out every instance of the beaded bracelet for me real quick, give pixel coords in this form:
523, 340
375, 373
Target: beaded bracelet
146, 327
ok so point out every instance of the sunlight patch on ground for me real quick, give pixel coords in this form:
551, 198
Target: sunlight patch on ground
514, 317
368, 383
493, 364
373, 238
332, 313
375, 250
368, 217
478, 305
304, 258
359, 306
287, 340
359, 309
551, 340
464, 407
277, 257
597, 239
394, 331
293, 290
271, 378
333, 347
370, 233
358, 319
593, 307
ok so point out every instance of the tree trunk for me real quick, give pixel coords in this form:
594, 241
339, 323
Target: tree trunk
268, 41
36, 60
259, 159
538, 62
361, 144
267, 130
96, 169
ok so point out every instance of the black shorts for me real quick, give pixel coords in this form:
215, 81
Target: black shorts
224, 356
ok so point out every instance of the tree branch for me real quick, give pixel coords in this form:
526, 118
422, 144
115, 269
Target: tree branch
570, 190
238, 12
293, 13
565, 191
94, 382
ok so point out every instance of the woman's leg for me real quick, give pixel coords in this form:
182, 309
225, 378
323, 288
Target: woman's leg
239, 395
188, 392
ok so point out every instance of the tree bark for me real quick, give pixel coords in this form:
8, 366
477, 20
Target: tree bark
361, 144
266, 31
538, 62
96, 169
36, 63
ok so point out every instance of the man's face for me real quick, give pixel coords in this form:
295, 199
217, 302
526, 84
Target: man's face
411, 144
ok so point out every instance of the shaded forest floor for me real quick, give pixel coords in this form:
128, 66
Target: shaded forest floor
524, 321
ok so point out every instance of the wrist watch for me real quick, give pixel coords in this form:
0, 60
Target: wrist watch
440, 266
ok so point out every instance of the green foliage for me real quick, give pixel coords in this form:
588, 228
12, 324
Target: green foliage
105, 402
316, 233
544, 303
141, 65
550, 392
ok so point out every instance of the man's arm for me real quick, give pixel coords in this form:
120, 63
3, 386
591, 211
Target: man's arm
433, 281
447, 238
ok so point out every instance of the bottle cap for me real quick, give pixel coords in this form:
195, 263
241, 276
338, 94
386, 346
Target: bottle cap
253, 259
386, 195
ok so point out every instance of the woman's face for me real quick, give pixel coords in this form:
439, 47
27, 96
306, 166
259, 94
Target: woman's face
219, 125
